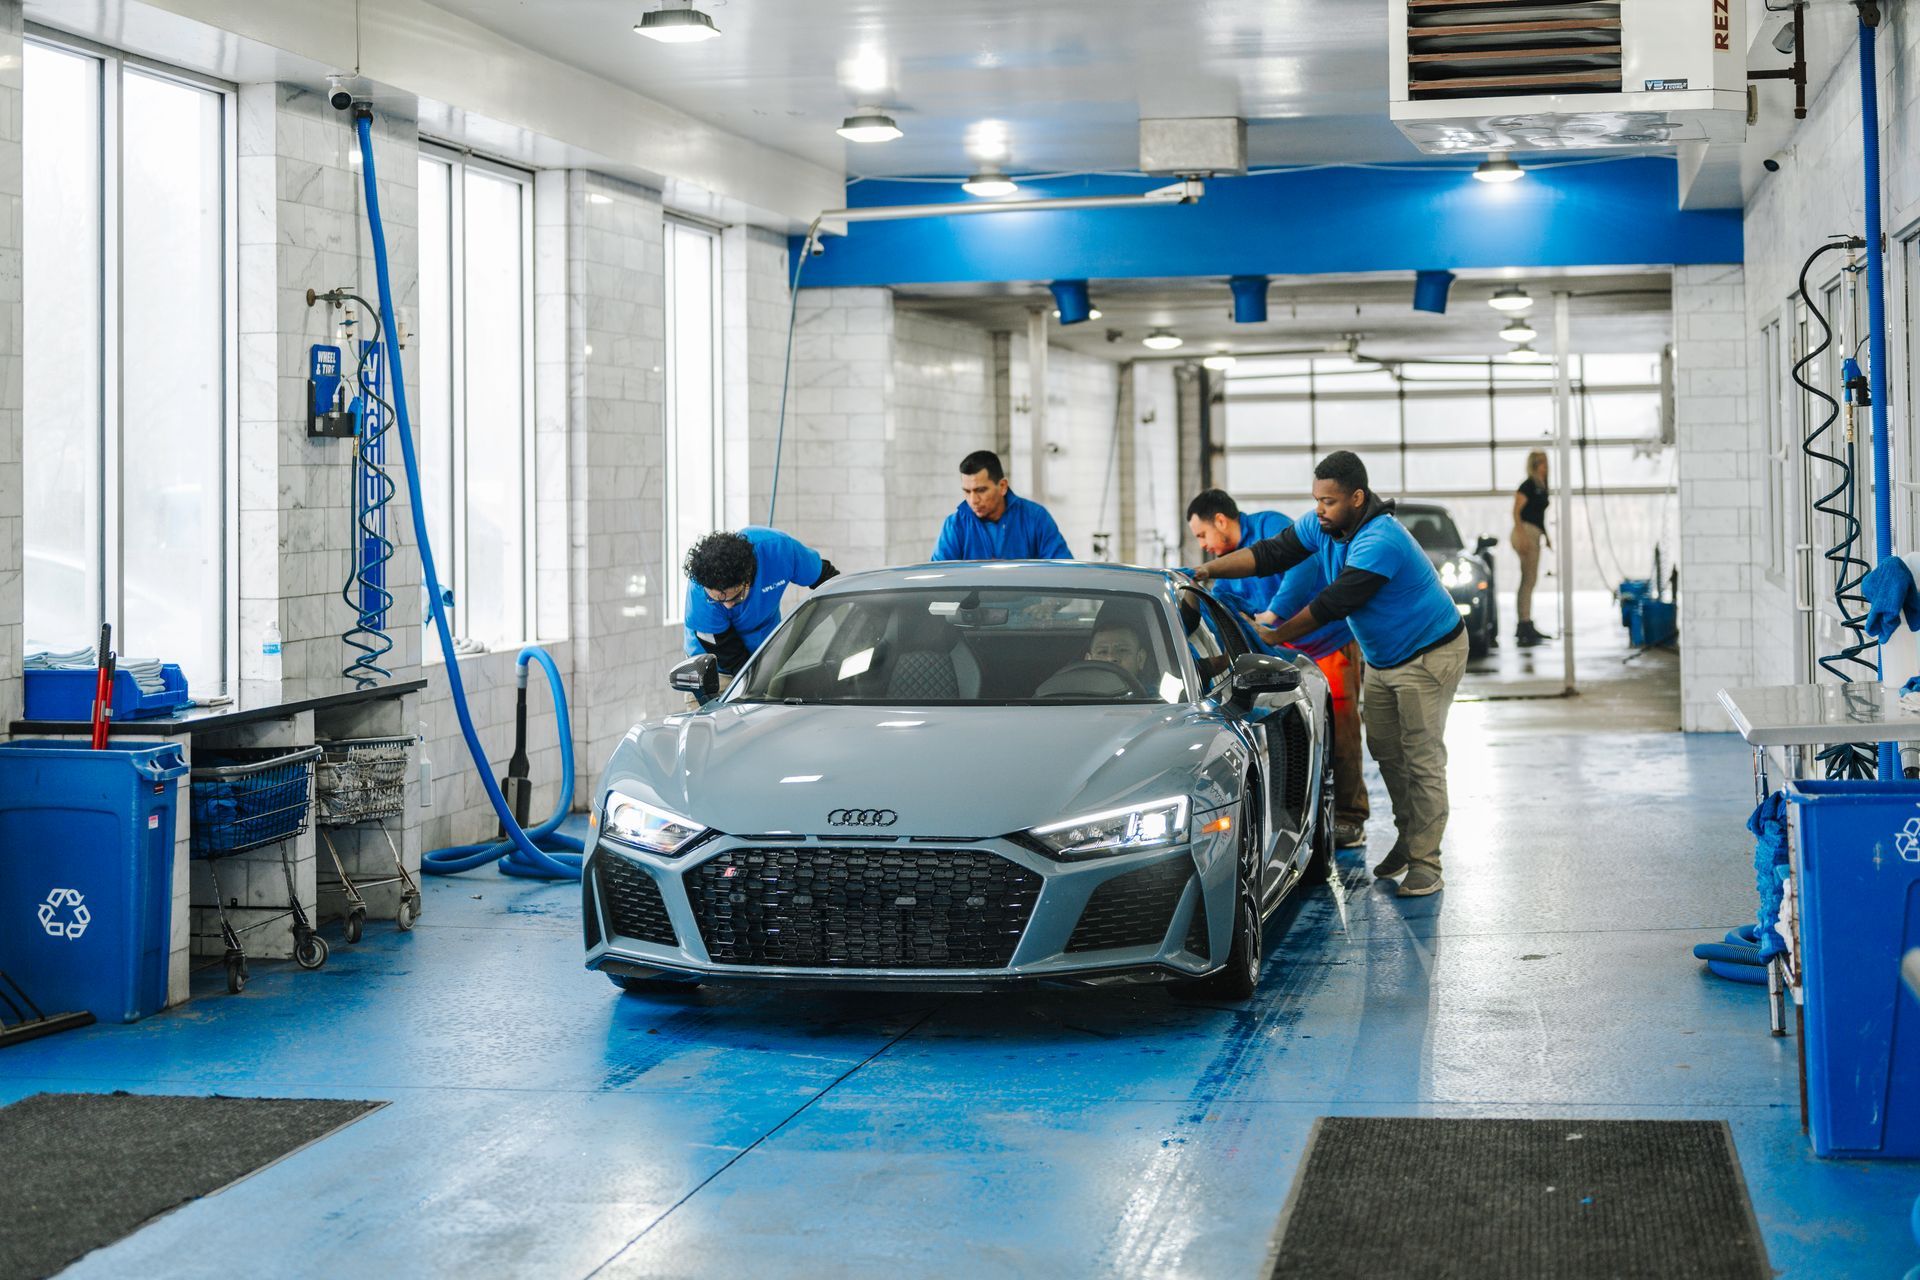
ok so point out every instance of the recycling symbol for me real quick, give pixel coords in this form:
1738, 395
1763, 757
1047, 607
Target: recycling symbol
1907, 840
64, 914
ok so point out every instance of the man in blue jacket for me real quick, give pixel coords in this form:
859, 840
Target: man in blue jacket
1382, 584
735, 582
1221, 527
994, 523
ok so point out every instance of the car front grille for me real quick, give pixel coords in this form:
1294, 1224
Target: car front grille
1132, 910
873, 908
631, 903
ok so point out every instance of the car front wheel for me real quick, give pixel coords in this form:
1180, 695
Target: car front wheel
1237, 979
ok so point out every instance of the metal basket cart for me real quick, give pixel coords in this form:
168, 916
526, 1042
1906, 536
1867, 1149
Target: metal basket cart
244, 798
365, 780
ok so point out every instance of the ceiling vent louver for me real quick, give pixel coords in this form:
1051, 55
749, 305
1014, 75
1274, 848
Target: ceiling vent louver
1558, 75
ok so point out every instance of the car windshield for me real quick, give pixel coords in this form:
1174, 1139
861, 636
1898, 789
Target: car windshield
1431, 527
969, 647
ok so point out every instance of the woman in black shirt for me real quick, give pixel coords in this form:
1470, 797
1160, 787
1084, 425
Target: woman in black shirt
1529, 532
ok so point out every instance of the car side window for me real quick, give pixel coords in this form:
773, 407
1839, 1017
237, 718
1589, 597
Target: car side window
1226, 628
1203, 638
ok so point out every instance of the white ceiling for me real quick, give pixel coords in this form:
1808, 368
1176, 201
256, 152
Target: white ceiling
1062, 82
1611, 312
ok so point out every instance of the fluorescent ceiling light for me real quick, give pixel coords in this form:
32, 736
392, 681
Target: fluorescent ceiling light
1161, 340
1525, 354
1218, 360
989, 183
1518, 330
868, 126
677, 22
1093, 314
1499, 167
599, 197
1510, 300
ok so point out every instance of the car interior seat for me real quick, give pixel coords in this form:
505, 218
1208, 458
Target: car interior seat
932, 662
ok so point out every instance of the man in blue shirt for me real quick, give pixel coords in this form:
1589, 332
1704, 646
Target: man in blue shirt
735, 582
1221, 527
1410, 633
994, 523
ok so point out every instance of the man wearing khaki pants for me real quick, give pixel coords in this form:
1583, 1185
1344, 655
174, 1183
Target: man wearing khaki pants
1410, 633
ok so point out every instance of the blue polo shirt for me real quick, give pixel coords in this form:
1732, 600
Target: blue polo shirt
1411, 612
1252, 595
1024, 531
1281, 594
780, 561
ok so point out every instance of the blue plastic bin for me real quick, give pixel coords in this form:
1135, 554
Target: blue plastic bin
1652, 622
1859, 891
86, 873
68, 695
1631, 593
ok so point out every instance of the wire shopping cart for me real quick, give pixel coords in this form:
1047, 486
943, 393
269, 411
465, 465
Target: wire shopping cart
244, 798
360, 780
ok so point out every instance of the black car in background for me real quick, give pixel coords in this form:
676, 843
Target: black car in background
1467, 575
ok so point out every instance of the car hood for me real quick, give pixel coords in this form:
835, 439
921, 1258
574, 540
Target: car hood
974, 772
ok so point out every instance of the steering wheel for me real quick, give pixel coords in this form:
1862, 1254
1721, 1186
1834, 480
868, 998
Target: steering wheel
1112, 672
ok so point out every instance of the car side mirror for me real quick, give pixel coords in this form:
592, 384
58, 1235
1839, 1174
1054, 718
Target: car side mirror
1256, 674
1485, 545
698, 675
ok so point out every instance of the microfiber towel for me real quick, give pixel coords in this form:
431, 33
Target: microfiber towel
1891, 598
1771, 867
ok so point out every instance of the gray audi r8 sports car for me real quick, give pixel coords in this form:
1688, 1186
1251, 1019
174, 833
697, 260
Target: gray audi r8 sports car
970, 774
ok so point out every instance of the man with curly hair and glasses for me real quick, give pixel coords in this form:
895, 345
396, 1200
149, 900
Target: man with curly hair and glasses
735, 582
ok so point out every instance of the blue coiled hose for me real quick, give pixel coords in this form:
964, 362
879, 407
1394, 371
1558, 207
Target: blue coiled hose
561, 852
532, 860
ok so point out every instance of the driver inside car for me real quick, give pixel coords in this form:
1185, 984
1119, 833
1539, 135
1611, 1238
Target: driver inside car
1121, 646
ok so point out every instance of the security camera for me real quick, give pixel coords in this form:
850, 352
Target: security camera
1773, 162
337, 94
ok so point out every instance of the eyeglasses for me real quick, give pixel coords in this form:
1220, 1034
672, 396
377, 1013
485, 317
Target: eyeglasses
730, 598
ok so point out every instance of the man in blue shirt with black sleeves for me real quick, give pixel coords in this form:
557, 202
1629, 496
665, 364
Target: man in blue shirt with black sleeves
1221, 527
735, 582
1382, 584
994, 523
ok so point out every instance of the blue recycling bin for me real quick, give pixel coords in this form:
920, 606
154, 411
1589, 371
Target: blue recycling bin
1859, 903
1632, 592
86, 873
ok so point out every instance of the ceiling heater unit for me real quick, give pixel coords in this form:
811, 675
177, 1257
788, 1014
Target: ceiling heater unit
1567, 75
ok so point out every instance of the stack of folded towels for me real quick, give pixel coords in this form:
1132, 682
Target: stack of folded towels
145, 671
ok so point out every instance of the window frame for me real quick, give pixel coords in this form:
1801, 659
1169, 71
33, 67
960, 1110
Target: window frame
112, 438
675, 224
458, 160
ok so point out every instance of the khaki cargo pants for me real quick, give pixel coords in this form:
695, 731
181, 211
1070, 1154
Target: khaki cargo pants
1405, 709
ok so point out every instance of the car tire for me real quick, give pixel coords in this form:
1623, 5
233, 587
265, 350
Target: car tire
1480, 638
652, 986
1240, 975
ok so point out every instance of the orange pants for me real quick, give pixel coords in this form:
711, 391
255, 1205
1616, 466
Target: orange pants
1344, 671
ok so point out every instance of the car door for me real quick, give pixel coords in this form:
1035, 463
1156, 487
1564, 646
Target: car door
1217, 642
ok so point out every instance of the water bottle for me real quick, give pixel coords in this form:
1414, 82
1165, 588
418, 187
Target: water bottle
426, 767
270, 653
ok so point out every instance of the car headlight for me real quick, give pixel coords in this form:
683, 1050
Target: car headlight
1157, 825
635, 822
1455, 573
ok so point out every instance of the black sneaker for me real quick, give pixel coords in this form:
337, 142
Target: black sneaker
1420, 882
1349, 835
1392, 865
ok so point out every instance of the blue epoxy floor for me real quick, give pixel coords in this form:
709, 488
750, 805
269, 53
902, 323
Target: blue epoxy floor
542, 1124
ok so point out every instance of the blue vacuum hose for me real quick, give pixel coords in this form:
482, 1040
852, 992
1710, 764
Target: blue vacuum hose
531, 859
1876, 321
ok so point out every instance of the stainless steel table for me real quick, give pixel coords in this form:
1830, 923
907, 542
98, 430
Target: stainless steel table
1797, 720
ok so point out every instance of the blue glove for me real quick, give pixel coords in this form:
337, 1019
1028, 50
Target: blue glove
1911, 686
1891, 597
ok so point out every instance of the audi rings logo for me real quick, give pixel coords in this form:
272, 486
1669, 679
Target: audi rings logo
862, 818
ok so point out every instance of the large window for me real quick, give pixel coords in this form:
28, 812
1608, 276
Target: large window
475, 357
1441, 429
128, 304
693, 394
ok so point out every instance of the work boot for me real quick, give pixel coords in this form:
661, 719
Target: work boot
1348, 834
1392, 865
1526, 635
1420, 882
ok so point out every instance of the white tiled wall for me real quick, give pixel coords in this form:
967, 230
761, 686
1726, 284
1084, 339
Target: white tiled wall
943, 410
11, 604
1082, 471
1721, 456
839, 423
